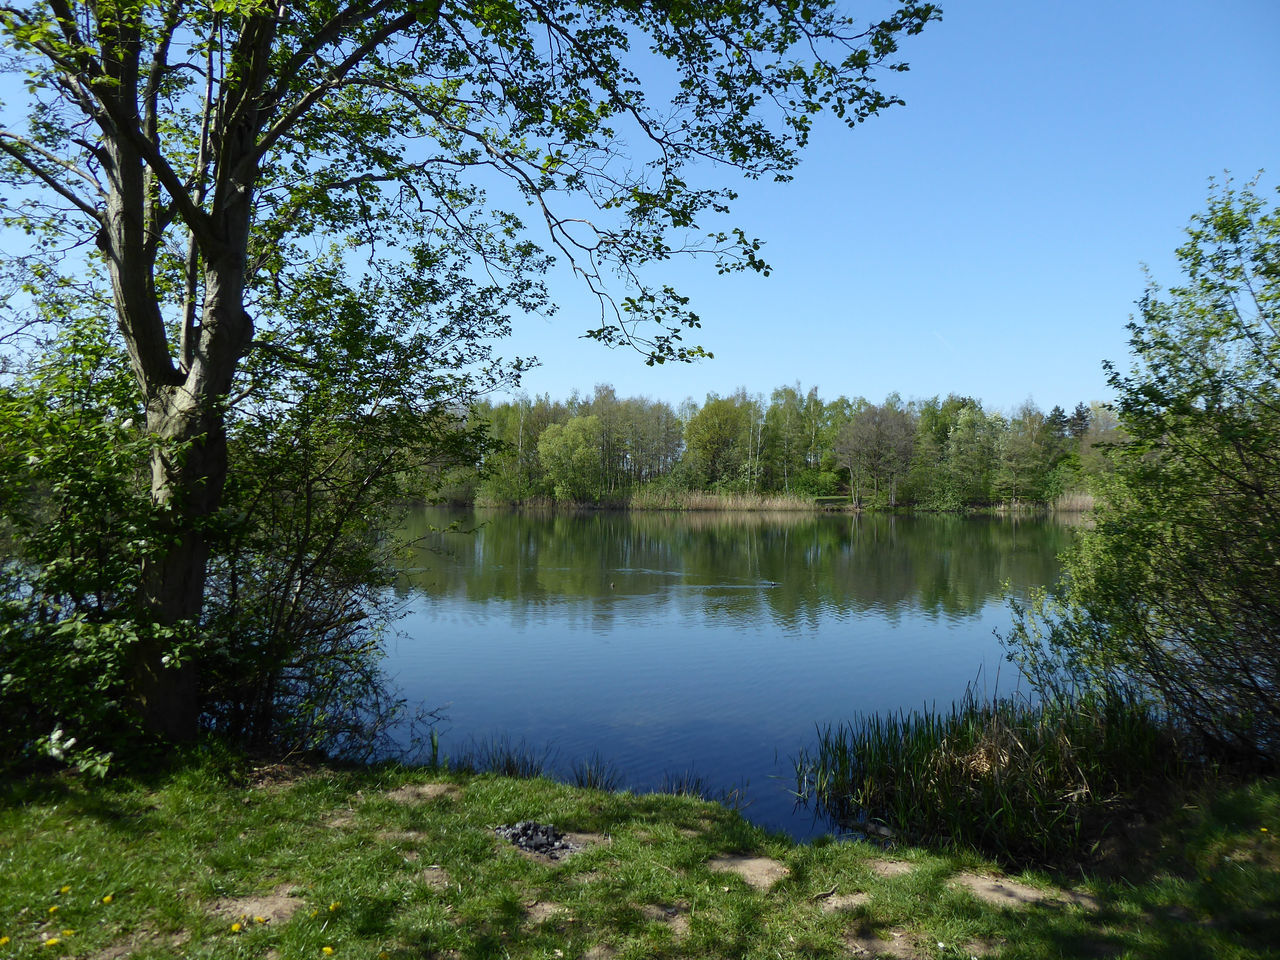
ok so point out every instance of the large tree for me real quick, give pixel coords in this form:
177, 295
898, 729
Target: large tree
208, 147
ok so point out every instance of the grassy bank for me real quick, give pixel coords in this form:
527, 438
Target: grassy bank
308, 863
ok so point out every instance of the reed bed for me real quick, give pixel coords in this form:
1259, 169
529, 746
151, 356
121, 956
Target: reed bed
1077, 501
660, 498
1029, 784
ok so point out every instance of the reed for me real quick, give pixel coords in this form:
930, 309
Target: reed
503, 756
1027, 783
684, 783
659, 497
596, 773
1075, 501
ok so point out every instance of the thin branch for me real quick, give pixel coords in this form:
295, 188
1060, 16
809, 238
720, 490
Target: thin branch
336, 75
330, 32
49, 179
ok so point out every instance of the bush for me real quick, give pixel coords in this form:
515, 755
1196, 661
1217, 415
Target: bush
347, 414
1176, 589
75, 523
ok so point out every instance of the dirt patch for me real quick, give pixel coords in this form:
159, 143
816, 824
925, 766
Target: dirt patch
540, 911
340, 820
889, 868
1086, 901
759, 872
278, 775
1002, 893
402, 836
979, 948
422, 792
840, 902
436, 877
897, 944
275, 907
674, 916
601, 951
1009, 893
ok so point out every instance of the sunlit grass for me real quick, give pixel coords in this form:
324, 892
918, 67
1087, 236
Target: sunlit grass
370, 863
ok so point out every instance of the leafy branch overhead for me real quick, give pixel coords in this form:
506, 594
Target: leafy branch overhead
385, 122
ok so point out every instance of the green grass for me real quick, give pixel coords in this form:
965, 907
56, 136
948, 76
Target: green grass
372, 875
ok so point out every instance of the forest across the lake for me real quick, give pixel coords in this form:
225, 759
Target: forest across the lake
935, 454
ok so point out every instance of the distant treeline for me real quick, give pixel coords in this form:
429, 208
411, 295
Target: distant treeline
940, 454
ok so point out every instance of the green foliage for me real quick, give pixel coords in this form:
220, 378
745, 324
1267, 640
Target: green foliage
75, 522
722, 443
570, 454
1177, 587
359, 408
933, 454
202, 155
356, 407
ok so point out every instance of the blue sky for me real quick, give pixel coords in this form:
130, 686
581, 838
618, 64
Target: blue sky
989, 237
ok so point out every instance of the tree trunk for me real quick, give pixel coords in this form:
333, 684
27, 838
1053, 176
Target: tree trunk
188, 473
186, 416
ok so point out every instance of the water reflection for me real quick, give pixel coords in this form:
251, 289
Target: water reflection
703, 641
792, 568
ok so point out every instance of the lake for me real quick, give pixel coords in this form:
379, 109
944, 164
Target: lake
705, 642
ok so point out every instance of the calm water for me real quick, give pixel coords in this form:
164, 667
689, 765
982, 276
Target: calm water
705, 642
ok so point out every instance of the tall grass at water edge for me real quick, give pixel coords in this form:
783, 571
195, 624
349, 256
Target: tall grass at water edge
521, 760
658, 497
1077, 501
1027, 783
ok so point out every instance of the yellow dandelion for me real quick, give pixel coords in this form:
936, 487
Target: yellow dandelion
4, 941
68, 933
236, 928
66, 889
1263, 829
315, 913
51, 942
327, 951
259, 919
108, 898
53, 909
334, 906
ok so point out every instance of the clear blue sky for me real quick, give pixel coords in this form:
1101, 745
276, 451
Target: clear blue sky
989, 237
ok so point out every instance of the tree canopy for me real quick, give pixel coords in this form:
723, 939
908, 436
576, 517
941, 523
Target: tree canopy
215, 161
